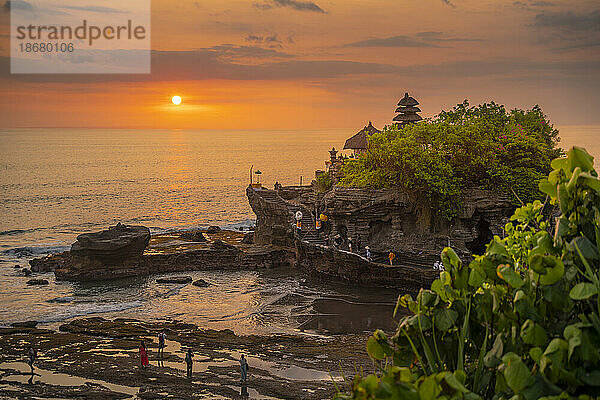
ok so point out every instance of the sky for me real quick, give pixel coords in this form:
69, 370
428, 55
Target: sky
315, 64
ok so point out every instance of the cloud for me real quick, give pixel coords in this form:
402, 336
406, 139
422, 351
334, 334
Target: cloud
93, 9
421, 39
17, 4
245, 53
271, 40
568, 21
299, 5
533, 4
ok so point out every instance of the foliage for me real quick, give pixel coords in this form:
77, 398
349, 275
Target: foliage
521, 321
468, 146
323, 182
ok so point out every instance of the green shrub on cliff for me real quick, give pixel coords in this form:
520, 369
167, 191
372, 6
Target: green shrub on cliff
323, 182
521, 321
483, 146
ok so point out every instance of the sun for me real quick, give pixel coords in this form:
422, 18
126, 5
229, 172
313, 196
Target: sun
176, 100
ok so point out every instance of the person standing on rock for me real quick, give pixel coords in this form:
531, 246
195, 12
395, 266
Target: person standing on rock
391, 257
368, 253
350, 245
144, 355
189, 362
244, 368
31, 357
162, 337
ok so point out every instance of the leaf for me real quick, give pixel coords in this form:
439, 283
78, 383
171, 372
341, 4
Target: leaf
533, 333
555, 269
429, 389
578, 157
374, 349
445, 319
454, 383
492, 358
536, 354
573, 336
496, 248
516, 372
587, 248
582, 291
476, 277
510, 276
564, 199
546, 187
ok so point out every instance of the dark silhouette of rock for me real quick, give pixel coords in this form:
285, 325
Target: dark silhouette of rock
221, 245
108, 254
24, 324
37, 282
213, 229
193, 236
248, 238
115, 243
26, 272
17, 266
180, 280
201, 283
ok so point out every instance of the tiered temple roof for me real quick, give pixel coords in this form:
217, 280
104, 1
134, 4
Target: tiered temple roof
407, 111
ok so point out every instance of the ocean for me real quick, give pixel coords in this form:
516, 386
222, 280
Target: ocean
58, 183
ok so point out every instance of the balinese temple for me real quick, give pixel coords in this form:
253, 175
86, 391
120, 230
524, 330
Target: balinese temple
407, 111
358, 142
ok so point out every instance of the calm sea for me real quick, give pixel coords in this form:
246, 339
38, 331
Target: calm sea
56, 184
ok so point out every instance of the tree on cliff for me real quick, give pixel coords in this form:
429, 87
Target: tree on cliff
469, 146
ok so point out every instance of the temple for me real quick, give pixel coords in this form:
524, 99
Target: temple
358, 142
407, 111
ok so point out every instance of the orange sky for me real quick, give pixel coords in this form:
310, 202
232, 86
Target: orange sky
303, 64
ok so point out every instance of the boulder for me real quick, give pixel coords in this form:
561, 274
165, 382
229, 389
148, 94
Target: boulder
113, 244
37, 282
180, 280
26, 272
213, 229
17, 266
201, 283
193, 236
221, 245
248, 238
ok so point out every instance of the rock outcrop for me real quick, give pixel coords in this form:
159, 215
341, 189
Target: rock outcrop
385, 220
114, 244
114, 252
325, 263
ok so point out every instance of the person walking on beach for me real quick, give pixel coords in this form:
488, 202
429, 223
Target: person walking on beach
31, 357
162, 337
144, 355
244, 368
189, 362
391, 257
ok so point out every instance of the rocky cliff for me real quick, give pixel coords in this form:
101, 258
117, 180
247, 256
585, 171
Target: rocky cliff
386, 220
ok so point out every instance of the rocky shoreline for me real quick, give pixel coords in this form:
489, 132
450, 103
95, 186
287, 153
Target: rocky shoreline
96, 358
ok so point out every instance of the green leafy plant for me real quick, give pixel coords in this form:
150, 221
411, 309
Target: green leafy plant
521, 321
483, 146
323, 182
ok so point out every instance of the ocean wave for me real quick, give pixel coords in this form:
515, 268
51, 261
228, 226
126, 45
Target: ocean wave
33, 251
83, 309
246, 223
13, 232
